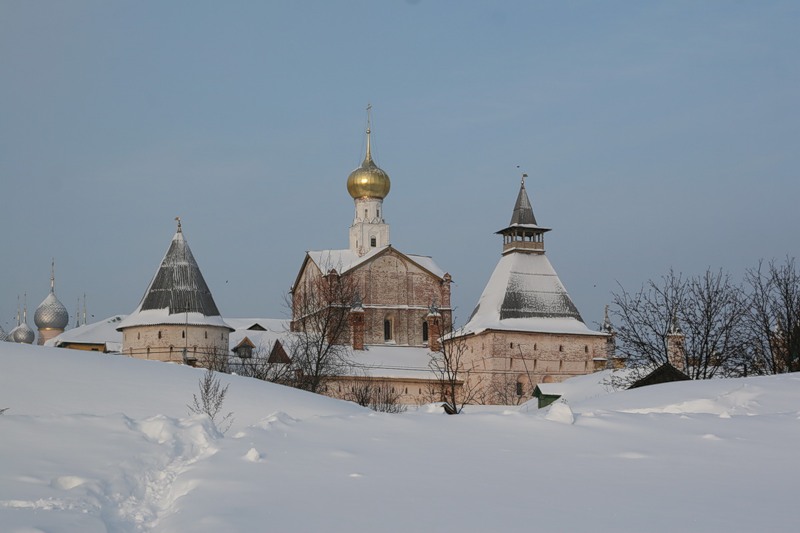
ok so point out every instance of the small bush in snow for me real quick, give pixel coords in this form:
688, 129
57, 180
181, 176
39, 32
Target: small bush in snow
212, 396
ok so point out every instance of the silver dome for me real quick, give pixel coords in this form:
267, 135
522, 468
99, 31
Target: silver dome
3, 334
23, 334
51, 314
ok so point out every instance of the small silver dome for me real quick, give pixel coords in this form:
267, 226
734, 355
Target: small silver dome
51, 314
23, 334
3, 334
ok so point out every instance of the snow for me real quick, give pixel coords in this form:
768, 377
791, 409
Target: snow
95, 442
152, 317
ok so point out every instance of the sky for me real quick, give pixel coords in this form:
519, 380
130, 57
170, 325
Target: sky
655, 135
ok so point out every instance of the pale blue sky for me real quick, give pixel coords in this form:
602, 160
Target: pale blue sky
655, 134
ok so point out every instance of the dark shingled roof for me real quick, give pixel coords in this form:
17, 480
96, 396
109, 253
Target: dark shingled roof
178, 284
526, 298
523, 211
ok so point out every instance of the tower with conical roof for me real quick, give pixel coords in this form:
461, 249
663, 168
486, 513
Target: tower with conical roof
525, 328
368, 185
177, 319
51, 317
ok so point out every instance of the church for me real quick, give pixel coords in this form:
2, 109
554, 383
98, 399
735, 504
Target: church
391, 305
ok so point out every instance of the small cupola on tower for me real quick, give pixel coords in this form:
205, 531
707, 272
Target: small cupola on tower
523, 234
368, 185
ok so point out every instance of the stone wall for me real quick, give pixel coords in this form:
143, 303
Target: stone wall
500, 360
167, 342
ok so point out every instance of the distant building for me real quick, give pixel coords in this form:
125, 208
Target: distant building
525, 328
177, 319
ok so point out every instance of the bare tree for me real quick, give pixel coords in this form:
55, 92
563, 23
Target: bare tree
773, 322
456, 384
705, 314
214, 359
504, 388
262, 364
378, 395
644, 318
713, 323
320, 317
212, 396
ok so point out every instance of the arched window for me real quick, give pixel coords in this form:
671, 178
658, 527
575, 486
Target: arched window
425, 331
387, 329
159, 334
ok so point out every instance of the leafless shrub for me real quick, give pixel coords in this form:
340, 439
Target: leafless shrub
212, 396
378, 395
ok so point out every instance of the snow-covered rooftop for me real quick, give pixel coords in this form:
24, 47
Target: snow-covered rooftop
525, 294
101, 332
345, 260
386, 361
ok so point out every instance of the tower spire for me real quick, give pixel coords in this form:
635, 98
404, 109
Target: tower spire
178, 220
53, 275
368, 156
523, 234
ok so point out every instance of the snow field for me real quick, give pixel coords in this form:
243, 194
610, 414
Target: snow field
104, 443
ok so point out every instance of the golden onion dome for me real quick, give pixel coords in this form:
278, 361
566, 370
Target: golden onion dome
368, 180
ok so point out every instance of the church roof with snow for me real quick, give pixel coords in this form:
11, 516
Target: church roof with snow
178, 294
345, 260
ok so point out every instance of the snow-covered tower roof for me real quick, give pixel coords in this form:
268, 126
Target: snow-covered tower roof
51, 313
524, 292
178, 293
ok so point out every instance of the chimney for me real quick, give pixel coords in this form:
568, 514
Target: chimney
434, 319
356, 319
676, 346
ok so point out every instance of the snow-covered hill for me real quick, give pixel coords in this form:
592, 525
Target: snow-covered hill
104, 443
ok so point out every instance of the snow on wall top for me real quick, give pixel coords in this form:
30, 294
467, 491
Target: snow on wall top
525, 294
